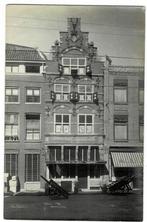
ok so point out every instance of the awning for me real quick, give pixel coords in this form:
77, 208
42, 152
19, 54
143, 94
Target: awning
127, 159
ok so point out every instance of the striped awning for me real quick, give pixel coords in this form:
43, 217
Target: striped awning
127, 159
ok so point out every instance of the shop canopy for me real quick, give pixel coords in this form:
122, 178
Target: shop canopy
127, 159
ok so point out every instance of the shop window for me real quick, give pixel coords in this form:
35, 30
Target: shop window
11, 127
74, 66
54, 153
82, 153
120, 127
33, 95
120, 91
94, 153
69, 153
11, 95
55, 171
32, 167
85, 93
141, 128
62, 92
32, 126
11, 164
69, 171
141, 91
62, 123
32, 68
95, 171
85, 124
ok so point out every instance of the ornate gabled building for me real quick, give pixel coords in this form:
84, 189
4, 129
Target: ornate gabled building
74, 124
74, 118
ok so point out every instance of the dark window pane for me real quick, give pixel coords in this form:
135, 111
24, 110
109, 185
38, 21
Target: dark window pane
81, 119
65, 119
52, 154
66, 154
72, 171
85, 154
33, 69
72, 153
58, 154
58, 118
80, 154
92, 154
89, 119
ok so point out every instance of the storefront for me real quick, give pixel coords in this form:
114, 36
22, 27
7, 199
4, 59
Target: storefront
127, 163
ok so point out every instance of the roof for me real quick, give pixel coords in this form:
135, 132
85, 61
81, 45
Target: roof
23, 53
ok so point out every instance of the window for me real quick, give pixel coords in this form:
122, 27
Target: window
82, 153
32, 126
11, 95
85, 93
74, 66
141, 128
120, 91
32, 167
62, 123
32, 68
95, 171
69, 153
62, 92
12, 68
55, 170
11, 127
85, 124
121, 127
33, 95
94, 153
69, 171
141, 91
54, 153
11, 164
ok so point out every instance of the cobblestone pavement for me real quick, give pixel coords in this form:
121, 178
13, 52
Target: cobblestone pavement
99, 207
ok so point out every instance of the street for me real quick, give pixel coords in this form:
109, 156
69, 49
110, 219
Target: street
100, 207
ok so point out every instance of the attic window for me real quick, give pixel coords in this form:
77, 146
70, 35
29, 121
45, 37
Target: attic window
32, 68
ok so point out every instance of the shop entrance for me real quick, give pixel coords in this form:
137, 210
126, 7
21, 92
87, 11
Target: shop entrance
82, 176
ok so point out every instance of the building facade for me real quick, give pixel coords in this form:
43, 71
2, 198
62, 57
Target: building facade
71, 118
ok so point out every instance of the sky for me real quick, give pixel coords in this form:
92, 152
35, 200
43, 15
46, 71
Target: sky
116, 31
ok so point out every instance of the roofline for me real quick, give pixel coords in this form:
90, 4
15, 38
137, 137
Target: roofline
27, 61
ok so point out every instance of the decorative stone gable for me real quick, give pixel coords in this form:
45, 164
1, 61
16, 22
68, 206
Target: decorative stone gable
74, 39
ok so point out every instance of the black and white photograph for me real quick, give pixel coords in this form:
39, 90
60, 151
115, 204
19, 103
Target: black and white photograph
74, 112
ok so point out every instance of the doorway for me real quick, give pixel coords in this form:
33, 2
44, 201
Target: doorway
82, 176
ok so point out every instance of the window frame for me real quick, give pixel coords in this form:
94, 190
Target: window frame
120, 88
74, 66
10, 164
62, 92
120, 124
69, 148
62, 124
33, 140
85, 92
33, 88
85, 124
11, 88
13, 124
55, 152
32, 165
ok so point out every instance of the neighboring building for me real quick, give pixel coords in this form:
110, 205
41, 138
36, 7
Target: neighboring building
75, 120
24, 114
124, 114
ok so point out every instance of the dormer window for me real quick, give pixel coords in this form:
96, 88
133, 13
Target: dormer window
31, 68
74, 66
